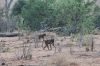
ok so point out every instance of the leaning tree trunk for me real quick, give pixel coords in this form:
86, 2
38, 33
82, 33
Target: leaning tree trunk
7, 5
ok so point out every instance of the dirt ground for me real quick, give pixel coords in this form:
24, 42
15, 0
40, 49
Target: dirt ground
40, 56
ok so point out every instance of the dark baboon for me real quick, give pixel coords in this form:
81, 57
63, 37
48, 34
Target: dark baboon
49, 42
42, 36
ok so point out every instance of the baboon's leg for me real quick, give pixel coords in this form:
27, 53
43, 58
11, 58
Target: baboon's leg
50, 47
54, 45
43, 38
46, 45
42, 44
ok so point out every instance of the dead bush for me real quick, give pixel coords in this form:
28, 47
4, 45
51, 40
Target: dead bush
88, 41
68, 44
24, 51
72, 37
61, 60
3, 46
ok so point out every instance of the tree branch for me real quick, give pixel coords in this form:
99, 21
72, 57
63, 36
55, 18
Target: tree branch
9, 4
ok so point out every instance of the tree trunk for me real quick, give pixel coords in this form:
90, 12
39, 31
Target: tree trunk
7, 5
92, 45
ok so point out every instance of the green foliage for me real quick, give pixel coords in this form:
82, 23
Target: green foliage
76, 15
5, 49
30, 56
62, 40
88, 41
96, 32
97, 21
35, 12
72, 37
16, 10
78, 36
87, 47
16, 13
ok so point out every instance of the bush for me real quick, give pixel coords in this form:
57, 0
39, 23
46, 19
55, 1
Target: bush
29, 56
5, 49
87, 47
87, 40
61, 60
62, 40
96, 32
72, 37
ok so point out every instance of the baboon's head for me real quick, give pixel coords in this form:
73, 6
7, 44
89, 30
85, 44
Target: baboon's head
44, 34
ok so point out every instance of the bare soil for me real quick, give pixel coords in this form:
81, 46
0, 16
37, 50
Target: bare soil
40, 56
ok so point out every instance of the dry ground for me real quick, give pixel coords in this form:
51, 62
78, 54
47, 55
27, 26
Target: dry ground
42, 56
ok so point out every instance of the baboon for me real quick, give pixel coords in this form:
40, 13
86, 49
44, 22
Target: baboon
42, 36
47, 42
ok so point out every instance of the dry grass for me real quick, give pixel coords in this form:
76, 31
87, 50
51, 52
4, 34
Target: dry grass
50, 35
61, 60
87, 41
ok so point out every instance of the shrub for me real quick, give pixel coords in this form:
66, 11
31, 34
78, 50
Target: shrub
62, 40
87, 47
87, 40
96, 32
72, 37
61, 60
29, 56
5, 49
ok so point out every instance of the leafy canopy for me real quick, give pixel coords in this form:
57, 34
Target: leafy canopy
75, 15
